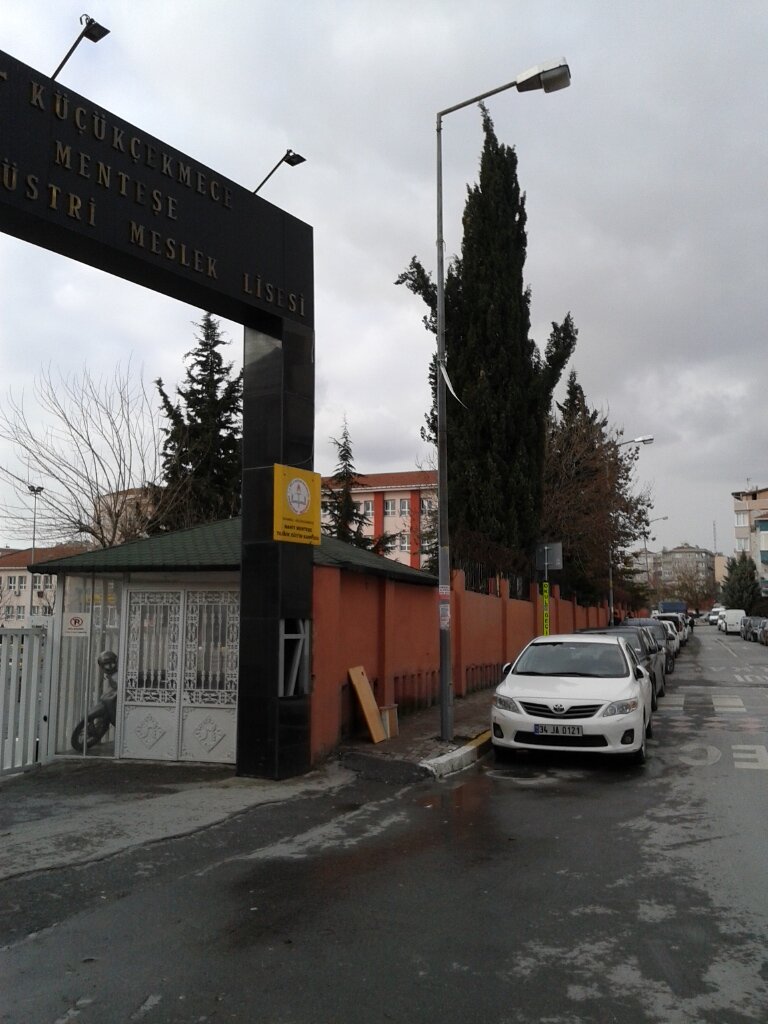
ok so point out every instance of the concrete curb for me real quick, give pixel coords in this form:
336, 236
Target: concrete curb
399, 770
446, 764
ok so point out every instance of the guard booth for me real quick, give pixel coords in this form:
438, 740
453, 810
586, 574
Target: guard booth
175, 655
83, 183
166, 613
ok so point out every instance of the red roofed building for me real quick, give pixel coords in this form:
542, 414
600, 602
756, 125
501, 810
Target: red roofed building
403, 504
26, 598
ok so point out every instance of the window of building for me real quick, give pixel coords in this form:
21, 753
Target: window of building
742, 543
12, 583
389, 507
742, 519
427, 505
37, 581
22, 582
405, 542
47, 582
405, 506
368, 506
19, 611
8, 611
764, 540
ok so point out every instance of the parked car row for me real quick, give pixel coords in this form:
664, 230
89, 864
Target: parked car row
735, 620
754, 628
594, 690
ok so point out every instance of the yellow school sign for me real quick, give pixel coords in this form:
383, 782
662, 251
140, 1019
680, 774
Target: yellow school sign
297, 506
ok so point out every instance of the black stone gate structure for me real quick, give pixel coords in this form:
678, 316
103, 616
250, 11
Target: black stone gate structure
80, 181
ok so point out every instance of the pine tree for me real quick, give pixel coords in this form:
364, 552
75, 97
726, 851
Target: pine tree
202, 451
589, 504
740, 587
343, 517
496, 444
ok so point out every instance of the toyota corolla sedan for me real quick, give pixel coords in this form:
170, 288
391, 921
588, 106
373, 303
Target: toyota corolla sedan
574, 692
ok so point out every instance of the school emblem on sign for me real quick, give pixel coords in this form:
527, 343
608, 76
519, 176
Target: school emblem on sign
298, 496
297, 506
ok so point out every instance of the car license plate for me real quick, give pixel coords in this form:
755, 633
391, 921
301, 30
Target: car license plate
558, 730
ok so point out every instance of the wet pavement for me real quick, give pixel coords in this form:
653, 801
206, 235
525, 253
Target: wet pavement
77, 810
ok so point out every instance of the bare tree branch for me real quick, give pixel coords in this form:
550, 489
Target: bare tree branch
93, 444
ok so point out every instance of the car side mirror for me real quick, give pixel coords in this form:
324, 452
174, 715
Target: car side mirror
638, 672
505, 668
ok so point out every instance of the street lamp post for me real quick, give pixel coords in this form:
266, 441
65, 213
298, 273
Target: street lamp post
643, 439
550, 78
34, 491
658, 519
92, 30
288, 157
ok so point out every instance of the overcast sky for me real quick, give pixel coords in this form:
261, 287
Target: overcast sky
646, 198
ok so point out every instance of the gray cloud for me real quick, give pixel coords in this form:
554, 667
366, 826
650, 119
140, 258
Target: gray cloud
644, 182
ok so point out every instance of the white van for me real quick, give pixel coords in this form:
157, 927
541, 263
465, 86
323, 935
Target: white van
732, 620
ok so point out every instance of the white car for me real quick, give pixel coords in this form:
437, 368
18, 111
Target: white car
674, 636
574, 692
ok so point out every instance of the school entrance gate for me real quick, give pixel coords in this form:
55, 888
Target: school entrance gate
180, 691
82, 182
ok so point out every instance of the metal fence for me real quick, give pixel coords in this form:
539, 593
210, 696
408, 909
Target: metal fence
24, 697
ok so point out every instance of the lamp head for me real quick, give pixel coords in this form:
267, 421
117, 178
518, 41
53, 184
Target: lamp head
549, 77
93, 30
293, 158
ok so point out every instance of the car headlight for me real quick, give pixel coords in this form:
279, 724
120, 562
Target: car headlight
621, 707
505, 704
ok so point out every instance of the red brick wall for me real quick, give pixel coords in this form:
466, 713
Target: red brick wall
391, 629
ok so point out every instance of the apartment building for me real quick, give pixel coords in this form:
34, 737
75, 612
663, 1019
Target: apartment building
687, 560
399, 504
660, 570
27, 599
750, 510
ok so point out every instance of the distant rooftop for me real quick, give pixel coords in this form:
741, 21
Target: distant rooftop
419, 478
21, 558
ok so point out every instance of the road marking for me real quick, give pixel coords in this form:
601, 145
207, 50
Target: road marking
727, 648
729, 704
745, 756
700, 756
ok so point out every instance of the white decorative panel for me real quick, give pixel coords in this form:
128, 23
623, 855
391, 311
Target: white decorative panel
150, 732
209, 734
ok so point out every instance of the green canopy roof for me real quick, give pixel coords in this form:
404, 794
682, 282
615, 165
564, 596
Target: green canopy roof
215, 547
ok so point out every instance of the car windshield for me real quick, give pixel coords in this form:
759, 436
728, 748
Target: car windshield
563, 658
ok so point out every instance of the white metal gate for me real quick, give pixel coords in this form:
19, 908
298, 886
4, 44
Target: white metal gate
180, 680
24, 698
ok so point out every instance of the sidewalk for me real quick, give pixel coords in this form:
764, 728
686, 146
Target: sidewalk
418, 752
77, 810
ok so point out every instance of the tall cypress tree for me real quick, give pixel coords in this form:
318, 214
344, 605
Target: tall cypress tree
496, 444
202, 452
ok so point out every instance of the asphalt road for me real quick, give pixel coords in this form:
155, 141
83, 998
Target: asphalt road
564, 890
